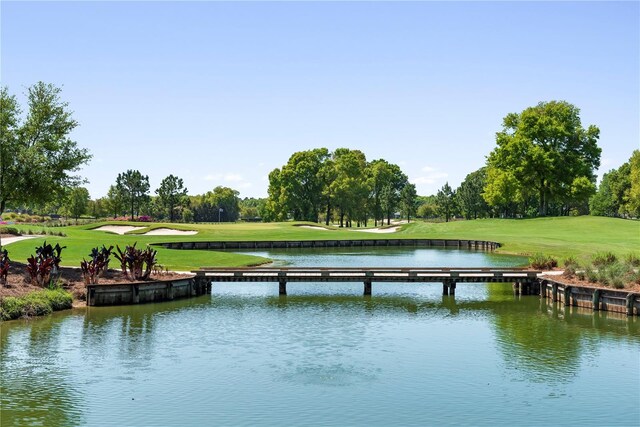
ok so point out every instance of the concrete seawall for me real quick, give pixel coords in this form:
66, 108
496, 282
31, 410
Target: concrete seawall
288, 244
618, 301
143, 292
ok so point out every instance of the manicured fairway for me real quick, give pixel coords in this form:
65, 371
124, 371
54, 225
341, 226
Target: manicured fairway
580, 237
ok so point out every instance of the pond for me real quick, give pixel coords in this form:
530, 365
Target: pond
326, 355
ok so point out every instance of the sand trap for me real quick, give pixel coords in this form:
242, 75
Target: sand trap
118, 229
379, 230
170, 232
314, 227
12, 239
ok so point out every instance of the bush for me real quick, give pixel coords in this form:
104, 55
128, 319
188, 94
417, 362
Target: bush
632, 260
35, 304
570, 267
4, 265
93, 269
9, 230
542, 262
603, 259
43, 268
136, 264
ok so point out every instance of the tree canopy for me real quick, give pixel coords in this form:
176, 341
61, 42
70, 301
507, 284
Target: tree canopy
37, 155
544, 152
134, 189
341, 185
171, 193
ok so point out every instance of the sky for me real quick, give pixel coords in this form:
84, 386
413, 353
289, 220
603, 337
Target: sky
222, 93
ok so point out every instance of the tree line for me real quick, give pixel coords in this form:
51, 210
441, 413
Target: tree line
544, 163
318, 185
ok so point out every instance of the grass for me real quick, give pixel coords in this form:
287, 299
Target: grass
562, 237
37, 303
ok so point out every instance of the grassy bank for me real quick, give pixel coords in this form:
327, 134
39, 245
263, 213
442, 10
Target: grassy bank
579, 237
37, 303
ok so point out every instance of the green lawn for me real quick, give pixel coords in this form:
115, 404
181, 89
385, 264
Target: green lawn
580, 237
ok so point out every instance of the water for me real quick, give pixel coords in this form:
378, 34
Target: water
326, 355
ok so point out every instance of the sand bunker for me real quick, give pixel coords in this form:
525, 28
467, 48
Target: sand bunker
170, 232
12, 239
314, 227
122, 229
379, 230
118, 229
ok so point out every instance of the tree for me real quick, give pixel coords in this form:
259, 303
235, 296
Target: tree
634, 190
445, 198
134, 187
408, 197
115, 200
171, 193
75, 204
390, 193
36, 154
301, 184
469, 195
545, 148
349, 188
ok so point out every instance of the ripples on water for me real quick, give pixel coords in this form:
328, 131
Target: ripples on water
323, 355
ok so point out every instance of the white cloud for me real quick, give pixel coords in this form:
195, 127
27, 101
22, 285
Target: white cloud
212, 177
428, 169
233, 177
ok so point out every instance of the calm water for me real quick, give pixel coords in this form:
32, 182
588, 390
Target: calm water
326, 355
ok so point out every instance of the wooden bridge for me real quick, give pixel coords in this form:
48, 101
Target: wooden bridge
524, 280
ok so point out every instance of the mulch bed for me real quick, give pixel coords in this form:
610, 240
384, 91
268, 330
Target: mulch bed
70, 280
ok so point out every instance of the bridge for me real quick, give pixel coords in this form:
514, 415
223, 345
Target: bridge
524, 280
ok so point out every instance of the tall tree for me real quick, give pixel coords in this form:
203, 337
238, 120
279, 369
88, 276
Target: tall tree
115, 200
546, 148
171, 193
408, 199
469, 195
76, 202
37, 155
445, 198
349, 188
633, 199
134, 188
301, 184
390, 194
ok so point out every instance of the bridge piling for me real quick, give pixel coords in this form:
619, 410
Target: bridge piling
367, 287
283, 287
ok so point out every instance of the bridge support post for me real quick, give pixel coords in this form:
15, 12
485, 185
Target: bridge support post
452, 288
448, 287
367, 287
445, 289
283, 287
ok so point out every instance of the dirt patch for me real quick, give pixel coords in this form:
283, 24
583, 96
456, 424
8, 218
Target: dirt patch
70, 280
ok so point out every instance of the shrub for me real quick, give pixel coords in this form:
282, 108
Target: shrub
136, 264
591, 274
632, 260
35, 304
93, 269
603, 259
9, 230
570, 267
4, 265
44, 266
542, 262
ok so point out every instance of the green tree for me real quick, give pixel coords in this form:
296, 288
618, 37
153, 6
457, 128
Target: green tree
408, 197
115, 200
134, 188
76, 202
445, 198
469, 195
545, 148
171, 193
634, 190
300, 186
427, 207
349, 188
36, 154
390, 193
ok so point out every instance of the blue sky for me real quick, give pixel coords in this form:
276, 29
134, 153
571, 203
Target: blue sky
222, 93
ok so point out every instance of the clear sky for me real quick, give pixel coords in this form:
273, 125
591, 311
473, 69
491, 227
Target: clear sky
222, 93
